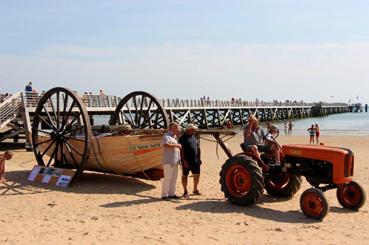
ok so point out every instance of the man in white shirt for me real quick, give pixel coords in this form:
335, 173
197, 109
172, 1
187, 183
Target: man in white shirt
171, 160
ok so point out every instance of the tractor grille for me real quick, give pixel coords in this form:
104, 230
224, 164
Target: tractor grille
349, 164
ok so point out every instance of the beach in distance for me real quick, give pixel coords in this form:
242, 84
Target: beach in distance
104, 208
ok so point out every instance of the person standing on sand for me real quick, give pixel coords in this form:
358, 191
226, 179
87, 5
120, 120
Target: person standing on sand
171, 160
317, 133
285, 128
311, 131
190, 158
6, 156
290, 126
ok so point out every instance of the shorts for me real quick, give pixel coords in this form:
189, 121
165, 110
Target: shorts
317, 134
194, 168
261, 148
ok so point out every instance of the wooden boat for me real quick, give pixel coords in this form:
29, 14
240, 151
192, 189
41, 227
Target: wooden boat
63, 137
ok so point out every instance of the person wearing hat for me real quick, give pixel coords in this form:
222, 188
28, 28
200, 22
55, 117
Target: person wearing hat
190, 158
256, 141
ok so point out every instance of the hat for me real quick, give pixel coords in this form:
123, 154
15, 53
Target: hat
191, 126
273, 127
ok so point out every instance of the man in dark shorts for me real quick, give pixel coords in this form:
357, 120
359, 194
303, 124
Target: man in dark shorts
190, 158
256, 141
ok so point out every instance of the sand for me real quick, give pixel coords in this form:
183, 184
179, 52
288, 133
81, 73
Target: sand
102, 208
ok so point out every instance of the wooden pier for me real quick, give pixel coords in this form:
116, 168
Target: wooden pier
16, 113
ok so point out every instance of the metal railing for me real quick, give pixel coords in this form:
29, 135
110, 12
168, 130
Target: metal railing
9, 109
108, 101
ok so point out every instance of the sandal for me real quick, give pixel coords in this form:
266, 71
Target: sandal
196, 192
185, 195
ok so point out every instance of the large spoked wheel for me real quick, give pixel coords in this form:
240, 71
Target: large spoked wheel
282, 184
61, 130
140, 110
241, 180
351, 195
314, 204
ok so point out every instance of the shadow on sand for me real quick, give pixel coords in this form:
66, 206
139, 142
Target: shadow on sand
88, 183
223, 206
143, 200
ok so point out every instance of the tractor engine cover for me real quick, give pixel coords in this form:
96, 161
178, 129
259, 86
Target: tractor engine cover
342, 159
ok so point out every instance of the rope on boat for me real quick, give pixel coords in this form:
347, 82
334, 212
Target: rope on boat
96, 157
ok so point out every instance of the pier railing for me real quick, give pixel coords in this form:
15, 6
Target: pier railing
89, 100
191, 103
109, 101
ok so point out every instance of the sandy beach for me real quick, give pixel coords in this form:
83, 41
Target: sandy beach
102, 208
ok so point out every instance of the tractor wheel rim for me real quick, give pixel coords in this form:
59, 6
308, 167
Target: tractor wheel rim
280, 181
238, 180
313, 204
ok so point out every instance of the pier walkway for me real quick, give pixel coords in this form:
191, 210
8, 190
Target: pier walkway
19, 109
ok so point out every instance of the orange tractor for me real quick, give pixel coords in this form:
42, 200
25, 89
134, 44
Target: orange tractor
243, 179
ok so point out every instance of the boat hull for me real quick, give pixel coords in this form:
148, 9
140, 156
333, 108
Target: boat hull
139, 155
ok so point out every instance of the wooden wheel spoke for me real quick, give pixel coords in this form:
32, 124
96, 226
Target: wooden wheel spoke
130, 115
64, 108
48, 147
42, 131
70, 124
137, 122
128, 120
71, 155
53, 108
62, 154
57, 109
48, 115
143, 99
47, 123
42, 142
73, 148
68, 114
53, 154
73, 130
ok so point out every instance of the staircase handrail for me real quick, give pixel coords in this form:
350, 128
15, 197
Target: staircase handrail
9, 108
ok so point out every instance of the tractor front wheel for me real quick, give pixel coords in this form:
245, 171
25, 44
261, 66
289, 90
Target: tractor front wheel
314, 204
351, 195
241, 180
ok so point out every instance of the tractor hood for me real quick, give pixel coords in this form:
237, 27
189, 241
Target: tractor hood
341, 159
317, 152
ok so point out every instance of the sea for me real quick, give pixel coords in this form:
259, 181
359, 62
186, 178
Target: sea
351, 123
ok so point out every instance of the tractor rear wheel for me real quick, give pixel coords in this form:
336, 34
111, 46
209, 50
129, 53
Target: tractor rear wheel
351, 195
241, 180
282, 184
314, 204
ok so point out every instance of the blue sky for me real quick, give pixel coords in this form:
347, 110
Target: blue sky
311, 50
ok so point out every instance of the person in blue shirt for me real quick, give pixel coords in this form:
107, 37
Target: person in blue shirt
28, 87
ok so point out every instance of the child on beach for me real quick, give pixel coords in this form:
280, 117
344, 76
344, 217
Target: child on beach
311, 131
317, 133
290, 126
6, 156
